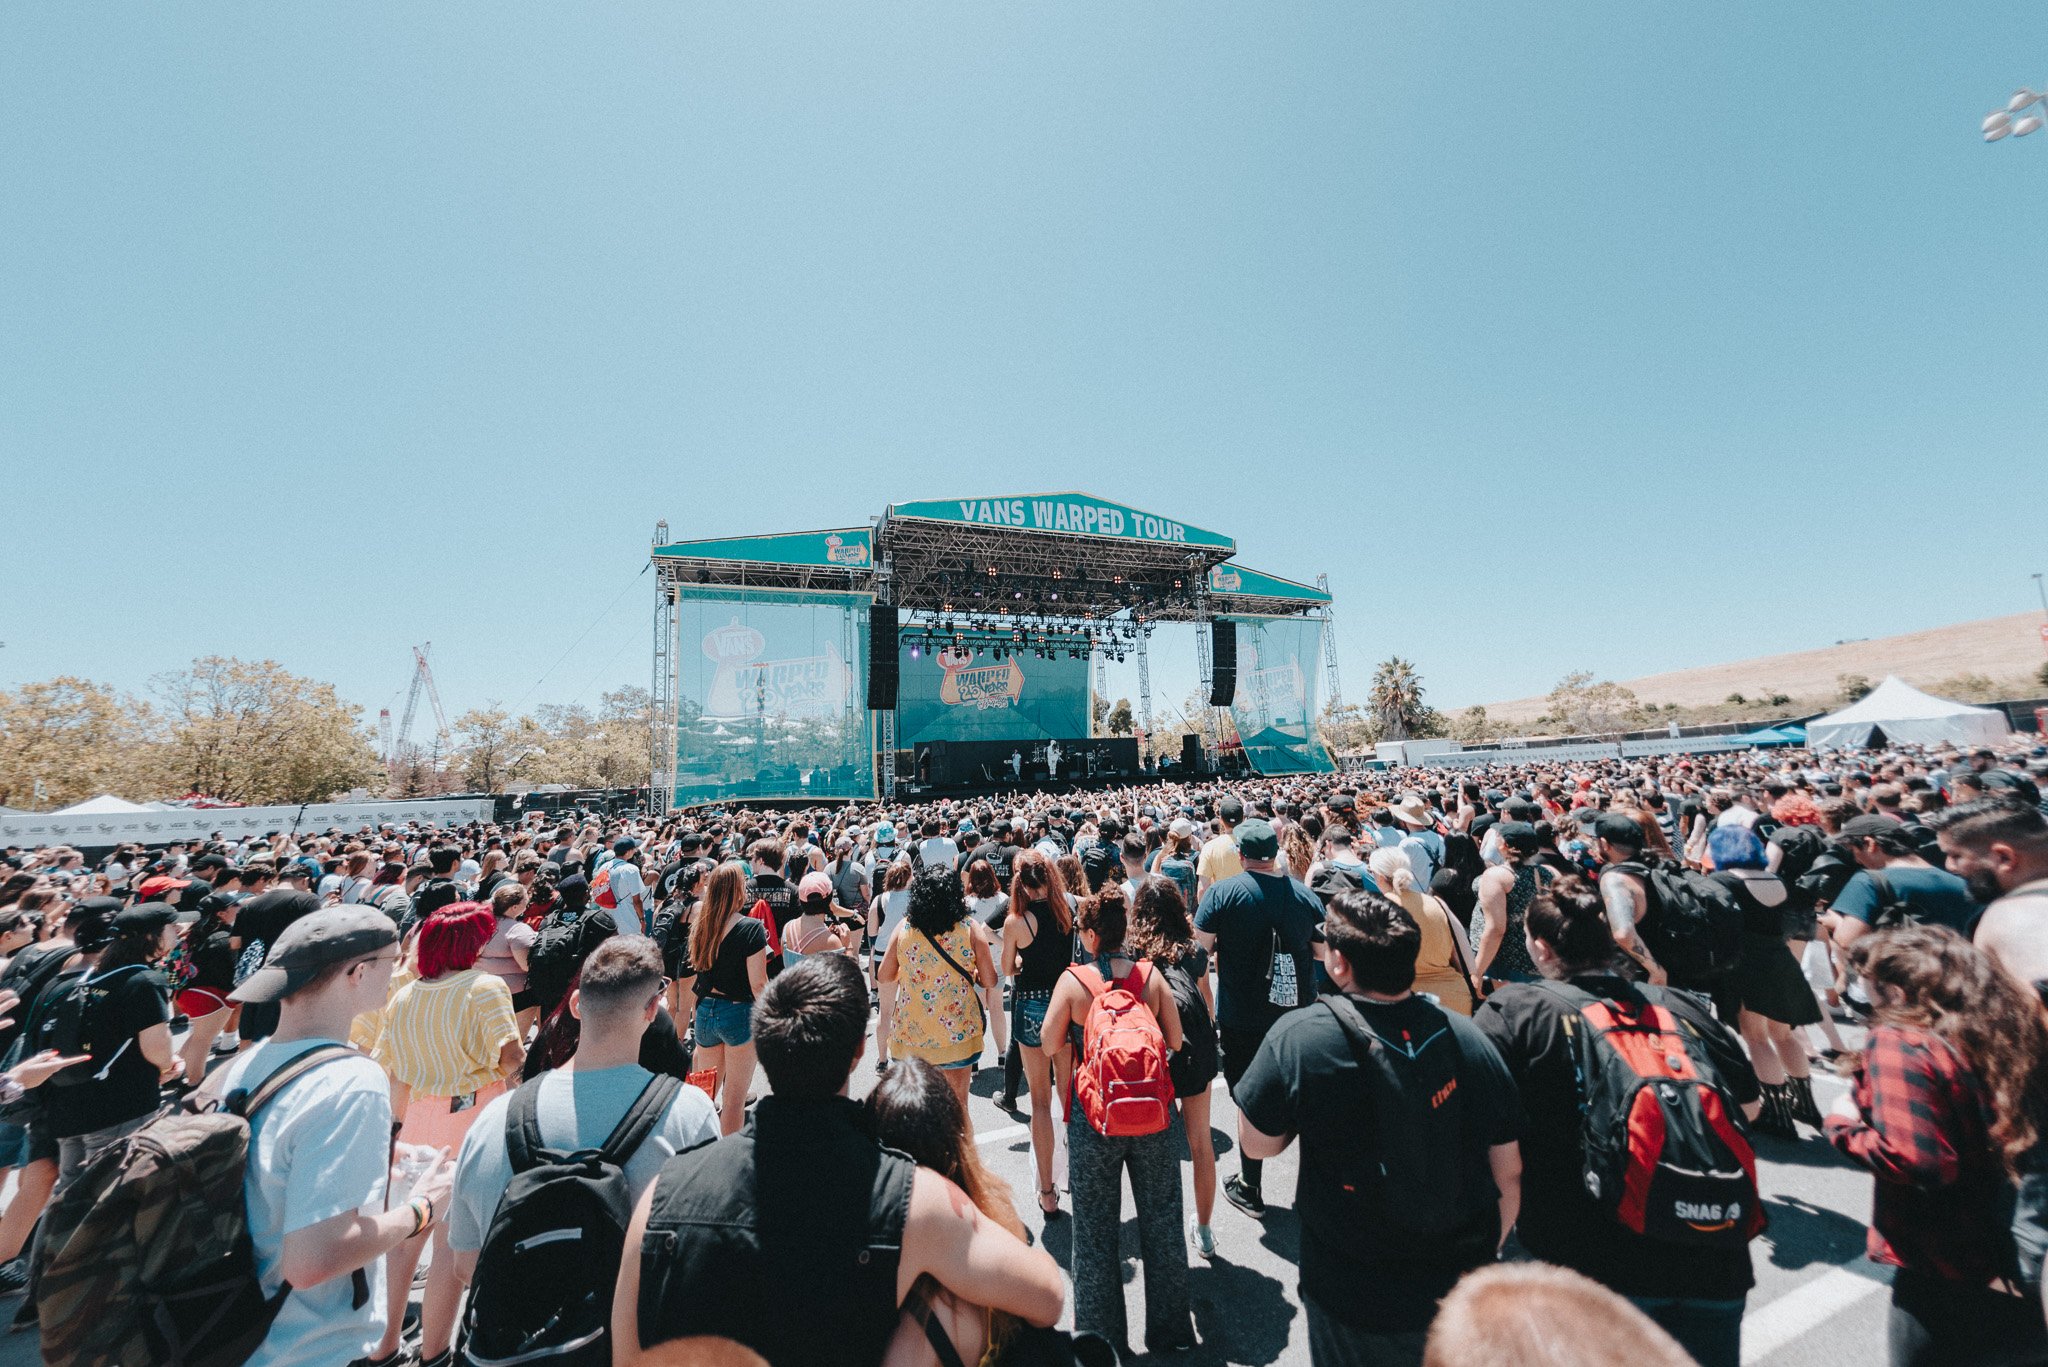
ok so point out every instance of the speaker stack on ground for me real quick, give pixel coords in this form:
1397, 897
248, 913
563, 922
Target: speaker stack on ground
882, 657
1223, 663
1191, 752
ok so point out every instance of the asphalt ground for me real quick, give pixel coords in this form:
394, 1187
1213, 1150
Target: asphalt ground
1818, 1301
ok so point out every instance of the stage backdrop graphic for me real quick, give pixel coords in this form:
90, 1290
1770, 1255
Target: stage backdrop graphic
963, 692
771, 696
1275, 708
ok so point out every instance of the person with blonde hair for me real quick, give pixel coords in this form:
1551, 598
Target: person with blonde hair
1539, 1315
1443, 966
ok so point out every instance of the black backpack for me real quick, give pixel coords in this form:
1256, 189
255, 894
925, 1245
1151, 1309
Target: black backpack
1799, 847
542, 1290
1694, 924
1410, 1178
564, 942
1332, 882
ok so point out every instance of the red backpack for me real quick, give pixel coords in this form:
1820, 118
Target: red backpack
1663, 1153
601, 887
1122, 1084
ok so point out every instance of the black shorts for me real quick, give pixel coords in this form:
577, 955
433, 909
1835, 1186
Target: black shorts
524, 998
1238, 1046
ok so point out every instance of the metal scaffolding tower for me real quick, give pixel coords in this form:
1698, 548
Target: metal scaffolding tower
1330, 645
661, 784
1102, 700
1144, 689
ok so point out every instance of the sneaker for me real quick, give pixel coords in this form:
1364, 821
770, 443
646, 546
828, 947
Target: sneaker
13, 1277
226, 1044
1245, 1197
1201, 1236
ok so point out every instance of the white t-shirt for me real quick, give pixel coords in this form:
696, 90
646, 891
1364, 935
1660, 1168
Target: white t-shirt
319, 1150
626, 885
578, 1110
894, 906
938, 849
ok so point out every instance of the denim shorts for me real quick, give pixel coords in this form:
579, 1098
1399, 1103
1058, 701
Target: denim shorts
720, 1022
1027, 1012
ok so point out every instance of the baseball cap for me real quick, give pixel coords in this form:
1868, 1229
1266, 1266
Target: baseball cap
1182, 826
149, 918
814, 884
1863, 827
91, 923
1620, 829
1519, 836
1255, 839
624, 843
312, 943
885, 834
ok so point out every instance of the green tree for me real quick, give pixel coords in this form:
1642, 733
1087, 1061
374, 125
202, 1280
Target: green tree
1853, 687
1345, 728
1396, 699
1119, 721
493, 749
76, 739
254, 732
1473, 726
1580, 704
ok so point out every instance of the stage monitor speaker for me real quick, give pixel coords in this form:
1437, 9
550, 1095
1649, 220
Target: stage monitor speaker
1191, 752
1223, 663
882, 657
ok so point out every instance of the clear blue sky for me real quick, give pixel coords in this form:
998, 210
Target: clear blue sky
1610, 335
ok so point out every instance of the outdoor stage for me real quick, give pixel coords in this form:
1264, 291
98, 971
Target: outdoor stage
956, 646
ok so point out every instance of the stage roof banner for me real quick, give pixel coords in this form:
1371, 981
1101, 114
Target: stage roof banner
1075, 514
1239, 582
850, 548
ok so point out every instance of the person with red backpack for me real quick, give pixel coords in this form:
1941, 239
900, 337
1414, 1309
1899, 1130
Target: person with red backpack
1637, 1165
1120, 1117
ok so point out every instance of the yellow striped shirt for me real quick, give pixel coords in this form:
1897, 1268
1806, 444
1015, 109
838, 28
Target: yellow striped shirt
443, 1038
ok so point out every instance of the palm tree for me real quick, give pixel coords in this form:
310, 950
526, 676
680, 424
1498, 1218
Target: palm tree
1396, 698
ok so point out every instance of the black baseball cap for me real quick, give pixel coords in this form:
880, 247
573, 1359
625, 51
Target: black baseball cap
149, 918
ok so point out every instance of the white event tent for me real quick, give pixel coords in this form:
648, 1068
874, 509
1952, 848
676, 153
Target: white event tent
106, 804
1900, 714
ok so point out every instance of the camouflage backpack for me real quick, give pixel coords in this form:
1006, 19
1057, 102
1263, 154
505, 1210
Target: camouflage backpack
146, 1261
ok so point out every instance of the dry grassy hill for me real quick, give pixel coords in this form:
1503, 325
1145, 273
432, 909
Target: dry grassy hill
2002, 651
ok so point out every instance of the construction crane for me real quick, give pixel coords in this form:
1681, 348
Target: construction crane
422, 677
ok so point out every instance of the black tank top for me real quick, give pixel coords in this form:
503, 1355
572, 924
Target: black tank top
1040, 963
802, 1196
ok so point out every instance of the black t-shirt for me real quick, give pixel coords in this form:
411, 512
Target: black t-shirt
435, 893
119, 1084
727, 977
1560, 1223
775, 890
1305, 1080
213, 959
1244, 913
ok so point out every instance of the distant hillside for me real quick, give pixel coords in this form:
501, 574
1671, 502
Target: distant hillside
2004, 651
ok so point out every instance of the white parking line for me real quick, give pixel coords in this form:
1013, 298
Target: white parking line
1767, 1330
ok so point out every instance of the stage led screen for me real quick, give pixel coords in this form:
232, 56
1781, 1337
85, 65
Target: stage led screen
1275, 707
772, 696
964, 692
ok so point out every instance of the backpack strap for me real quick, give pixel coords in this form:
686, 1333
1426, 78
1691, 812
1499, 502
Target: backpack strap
641, 1118
523, 1142
246, 1103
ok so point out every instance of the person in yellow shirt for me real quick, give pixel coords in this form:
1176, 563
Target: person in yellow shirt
1220, 859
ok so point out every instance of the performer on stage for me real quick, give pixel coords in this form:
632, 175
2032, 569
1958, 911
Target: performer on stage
1016, 764
1052, 759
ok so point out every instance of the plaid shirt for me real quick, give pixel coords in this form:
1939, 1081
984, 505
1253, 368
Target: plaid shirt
1925, 1136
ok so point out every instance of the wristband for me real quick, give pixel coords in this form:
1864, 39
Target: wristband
422, 1215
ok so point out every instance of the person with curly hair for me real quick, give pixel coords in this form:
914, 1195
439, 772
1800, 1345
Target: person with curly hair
1947, 1113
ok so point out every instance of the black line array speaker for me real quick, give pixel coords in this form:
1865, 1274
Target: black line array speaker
882, 657
1191, 752
1223, 663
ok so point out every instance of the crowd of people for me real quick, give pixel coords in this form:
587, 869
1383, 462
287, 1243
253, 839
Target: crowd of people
490, 1094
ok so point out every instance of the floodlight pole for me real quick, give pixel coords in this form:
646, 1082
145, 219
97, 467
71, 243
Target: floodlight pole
2014, 120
